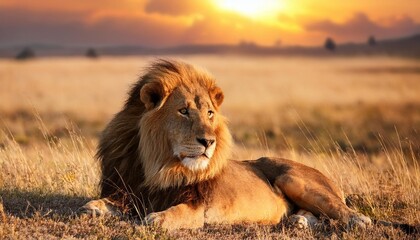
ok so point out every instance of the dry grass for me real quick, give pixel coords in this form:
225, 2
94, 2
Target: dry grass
324, 113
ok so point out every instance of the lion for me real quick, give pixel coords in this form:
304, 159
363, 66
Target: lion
166, 157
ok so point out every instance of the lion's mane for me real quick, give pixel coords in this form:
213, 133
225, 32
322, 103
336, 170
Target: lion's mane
137, 163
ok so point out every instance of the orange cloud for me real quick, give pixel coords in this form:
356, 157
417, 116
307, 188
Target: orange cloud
19, 26
72, 6
179, 7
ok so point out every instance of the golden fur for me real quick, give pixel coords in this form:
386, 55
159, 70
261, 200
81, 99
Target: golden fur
166, 156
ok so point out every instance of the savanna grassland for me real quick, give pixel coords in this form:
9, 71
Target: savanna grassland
355, 119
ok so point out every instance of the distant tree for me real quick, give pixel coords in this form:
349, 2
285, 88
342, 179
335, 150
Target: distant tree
372, 41
91, 53
329, 44
26, 53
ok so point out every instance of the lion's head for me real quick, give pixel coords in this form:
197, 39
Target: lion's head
182, 138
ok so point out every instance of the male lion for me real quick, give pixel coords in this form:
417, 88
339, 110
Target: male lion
166, 153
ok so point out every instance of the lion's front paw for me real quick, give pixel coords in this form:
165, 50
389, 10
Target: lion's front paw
303, 219
298, 221
359, 221
100, 207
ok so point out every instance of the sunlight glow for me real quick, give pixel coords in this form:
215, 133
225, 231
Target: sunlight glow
252, 8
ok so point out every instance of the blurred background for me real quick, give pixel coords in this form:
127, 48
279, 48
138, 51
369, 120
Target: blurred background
297, 75
332, 84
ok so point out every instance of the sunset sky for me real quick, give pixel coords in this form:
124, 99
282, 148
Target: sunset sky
160, 23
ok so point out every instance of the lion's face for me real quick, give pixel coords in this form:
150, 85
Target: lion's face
190, 122
183, 137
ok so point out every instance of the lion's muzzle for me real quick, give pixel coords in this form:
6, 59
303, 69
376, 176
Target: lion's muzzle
196, 157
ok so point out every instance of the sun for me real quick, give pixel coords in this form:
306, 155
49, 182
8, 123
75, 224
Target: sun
252, 8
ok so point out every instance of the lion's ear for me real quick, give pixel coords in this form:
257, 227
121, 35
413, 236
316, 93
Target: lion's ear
217, 96
152, 94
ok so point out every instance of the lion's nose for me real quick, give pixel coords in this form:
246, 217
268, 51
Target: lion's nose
205, 142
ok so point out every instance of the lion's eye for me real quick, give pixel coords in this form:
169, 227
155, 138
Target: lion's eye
183, 111
210, 113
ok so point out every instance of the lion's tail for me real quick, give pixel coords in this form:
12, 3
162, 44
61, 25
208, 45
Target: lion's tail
353, 200
407, 228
